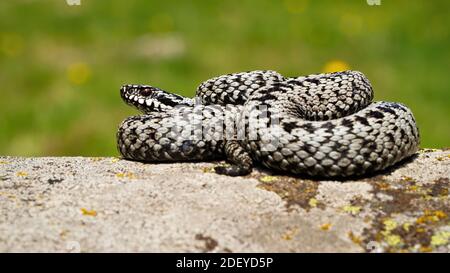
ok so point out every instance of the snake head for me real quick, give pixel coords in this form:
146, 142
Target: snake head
148, 99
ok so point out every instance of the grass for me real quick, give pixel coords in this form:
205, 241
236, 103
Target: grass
61, 66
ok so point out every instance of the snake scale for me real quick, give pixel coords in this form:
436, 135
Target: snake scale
323, 125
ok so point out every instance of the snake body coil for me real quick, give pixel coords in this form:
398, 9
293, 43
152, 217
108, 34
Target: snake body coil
320, 125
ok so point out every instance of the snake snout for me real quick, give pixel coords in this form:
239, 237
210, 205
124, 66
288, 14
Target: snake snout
126, 91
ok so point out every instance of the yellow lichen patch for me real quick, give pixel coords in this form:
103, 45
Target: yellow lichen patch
355, 239
406, 226
389, 225
268, 179
420, 230
407, 179
440, 214
313, 202
431, 217
353, 210
96, 159
444, 192
208, 170
378, 237
290, 234
440, 238
427, 197
393, 240
22, 174
383, 185
115, 159
414, 188
335, 66
4, 162
325, 227
425, 249
128, 175
88, 212
426, 218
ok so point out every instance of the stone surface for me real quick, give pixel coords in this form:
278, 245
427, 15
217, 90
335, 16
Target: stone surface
107, 204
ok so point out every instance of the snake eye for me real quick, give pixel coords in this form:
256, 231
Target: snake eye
146, 91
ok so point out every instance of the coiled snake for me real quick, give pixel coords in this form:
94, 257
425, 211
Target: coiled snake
320, 125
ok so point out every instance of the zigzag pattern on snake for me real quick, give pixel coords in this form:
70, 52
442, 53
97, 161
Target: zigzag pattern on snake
319, 125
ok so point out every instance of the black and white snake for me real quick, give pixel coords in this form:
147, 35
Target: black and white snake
320, 125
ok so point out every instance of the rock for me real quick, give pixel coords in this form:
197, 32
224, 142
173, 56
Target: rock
64, 204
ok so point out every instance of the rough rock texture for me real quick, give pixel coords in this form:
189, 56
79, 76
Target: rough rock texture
107, 204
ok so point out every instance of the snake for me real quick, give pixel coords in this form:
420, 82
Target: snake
320, 125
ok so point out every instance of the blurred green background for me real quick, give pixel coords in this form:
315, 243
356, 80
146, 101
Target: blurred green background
61, 66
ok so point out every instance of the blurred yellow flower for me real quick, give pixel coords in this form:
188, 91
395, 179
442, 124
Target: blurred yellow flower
335, 66
295, 6
11, 44
78, 73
